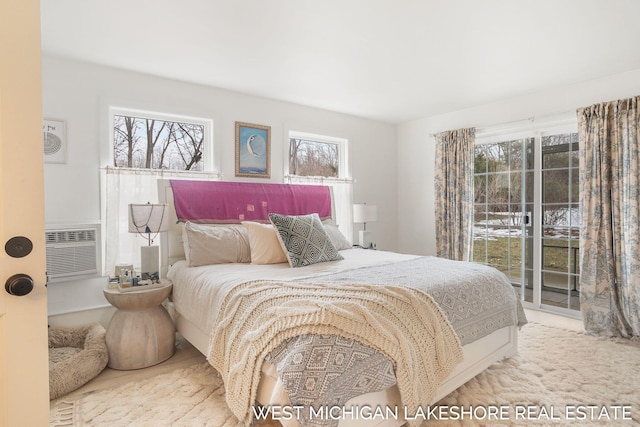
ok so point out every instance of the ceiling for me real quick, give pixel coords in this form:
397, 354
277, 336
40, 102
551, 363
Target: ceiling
389, 60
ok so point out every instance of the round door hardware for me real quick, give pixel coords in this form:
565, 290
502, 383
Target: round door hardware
18, 247
19, 285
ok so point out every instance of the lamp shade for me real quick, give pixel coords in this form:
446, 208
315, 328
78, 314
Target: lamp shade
363, 213
148, 218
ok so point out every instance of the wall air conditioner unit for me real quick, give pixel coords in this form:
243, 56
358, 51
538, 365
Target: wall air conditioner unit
72, 253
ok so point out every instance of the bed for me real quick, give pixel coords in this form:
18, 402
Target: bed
200, 293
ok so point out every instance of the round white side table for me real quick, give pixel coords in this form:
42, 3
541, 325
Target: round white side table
141, 332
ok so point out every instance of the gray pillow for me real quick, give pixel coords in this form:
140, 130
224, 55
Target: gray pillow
206, 244
336, 236
304, 239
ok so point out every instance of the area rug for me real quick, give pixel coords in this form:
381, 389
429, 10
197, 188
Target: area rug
559, 378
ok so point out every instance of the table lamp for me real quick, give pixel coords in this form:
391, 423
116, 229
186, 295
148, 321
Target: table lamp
145, 220
363, 213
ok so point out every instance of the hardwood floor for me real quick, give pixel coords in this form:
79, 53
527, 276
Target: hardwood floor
186, 355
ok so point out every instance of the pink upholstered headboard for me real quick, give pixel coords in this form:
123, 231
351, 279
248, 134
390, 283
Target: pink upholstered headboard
232, 202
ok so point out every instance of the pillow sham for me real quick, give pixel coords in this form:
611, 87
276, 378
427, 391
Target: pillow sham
304, 239
206, 244
263, 242
336, 236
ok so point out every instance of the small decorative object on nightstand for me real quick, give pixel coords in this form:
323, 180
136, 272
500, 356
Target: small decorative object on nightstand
141, 332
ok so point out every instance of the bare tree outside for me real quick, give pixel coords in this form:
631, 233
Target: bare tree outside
498, 183
146, 143
313, 158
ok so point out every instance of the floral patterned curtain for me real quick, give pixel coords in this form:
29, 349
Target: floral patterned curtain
610, 231
454, 193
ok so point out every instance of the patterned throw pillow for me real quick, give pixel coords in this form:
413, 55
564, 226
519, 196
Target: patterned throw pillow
304, 239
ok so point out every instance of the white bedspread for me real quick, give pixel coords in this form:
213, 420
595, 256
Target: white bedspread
199, 291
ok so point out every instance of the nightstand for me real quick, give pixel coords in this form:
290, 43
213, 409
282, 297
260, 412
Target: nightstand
141, 332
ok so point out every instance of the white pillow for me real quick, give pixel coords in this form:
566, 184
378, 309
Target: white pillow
264, 243
336, 236
206, 244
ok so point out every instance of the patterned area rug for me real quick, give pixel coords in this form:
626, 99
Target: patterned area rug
559, 378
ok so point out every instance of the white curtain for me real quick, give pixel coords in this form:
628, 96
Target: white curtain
342, 197
120, 187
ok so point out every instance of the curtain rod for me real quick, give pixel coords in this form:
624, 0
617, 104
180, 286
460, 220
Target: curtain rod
556, 119
162, 172
513, 123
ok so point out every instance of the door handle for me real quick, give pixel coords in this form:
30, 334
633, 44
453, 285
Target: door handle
19, 285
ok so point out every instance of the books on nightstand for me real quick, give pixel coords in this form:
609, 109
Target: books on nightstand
140, 285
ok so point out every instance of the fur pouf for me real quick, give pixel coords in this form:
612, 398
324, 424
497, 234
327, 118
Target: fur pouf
76, 355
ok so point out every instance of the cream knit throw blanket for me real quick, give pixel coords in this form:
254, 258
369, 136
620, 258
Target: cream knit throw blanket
405, 324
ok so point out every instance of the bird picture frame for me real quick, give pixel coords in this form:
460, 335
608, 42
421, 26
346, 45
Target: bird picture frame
253, 150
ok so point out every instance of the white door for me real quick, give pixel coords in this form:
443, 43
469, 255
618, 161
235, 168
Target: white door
24, 374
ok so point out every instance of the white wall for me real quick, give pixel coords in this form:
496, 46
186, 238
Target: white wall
416, 145
80, 94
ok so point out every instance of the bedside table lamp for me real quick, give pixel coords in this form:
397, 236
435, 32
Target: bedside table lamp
363, 213
146, 220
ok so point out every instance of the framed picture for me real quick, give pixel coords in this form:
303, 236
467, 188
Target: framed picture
253, 150
55, 140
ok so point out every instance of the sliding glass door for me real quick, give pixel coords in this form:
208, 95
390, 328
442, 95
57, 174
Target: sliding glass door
526, 215
560, 221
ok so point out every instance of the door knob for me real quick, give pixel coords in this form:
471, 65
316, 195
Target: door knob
19, 285
18, 246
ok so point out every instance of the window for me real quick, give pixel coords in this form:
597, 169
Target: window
314, 158
147, 142
526, 220
144, 147
322, 160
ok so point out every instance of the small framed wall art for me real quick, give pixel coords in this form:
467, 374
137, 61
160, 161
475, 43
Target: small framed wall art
253, 150
55, 140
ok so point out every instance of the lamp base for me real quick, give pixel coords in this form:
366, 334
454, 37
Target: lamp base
149, 260
365, 238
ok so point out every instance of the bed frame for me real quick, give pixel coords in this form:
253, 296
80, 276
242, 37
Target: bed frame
478, 355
